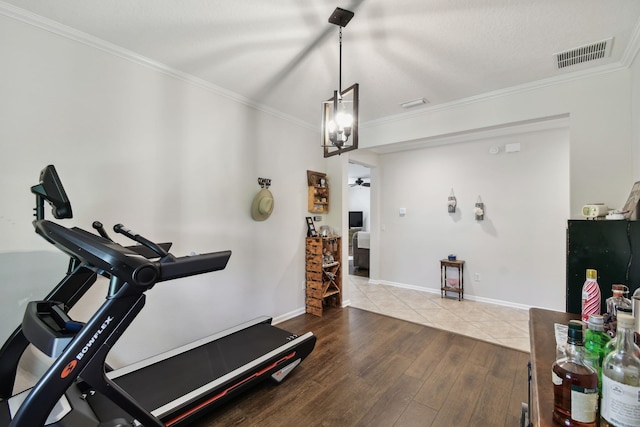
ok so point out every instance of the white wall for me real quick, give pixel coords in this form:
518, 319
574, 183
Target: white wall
600, 163
599, 108
518, 249
171, 159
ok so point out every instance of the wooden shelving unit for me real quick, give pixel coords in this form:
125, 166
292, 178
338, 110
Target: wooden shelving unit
323, 273
318, 195
318, 199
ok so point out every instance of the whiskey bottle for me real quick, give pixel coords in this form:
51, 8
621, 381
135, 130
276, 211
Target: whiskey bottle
621, 379
575, 385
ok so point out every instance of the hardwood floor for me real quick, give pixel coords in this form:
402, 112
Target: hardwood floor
371, 370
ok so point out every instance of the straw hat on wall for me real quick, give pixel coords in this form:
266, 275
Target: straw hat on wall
262, 205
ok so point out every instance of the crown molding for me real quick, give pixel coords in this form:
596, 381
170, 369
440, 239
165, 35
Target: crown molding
633, 47
526, 126
70, 33
538, 84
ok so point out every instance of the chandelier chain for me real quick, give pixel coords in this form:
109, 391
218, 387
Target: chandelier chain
340, 65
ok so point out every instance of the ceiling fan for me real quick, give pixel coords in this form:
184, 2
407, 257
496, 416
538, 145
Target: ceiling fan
360, 182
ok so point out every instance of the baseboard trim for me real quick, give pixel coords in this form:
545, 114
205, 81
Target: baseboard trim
466, 296
287, 316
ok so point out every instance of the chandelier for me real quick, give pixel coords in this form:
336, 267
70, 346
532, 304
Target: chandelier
340, 112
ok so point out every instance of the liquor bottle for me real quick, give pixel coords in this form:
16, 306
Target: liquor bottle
595, 345
621, 379
575, 384
590, 295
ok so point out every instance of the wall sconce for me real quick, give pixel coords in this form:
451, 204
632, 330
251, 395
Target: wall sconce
340, 113
452, 202
478, 210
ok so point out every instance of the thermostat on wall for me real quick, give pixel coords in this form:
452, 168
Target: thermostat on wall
594, 210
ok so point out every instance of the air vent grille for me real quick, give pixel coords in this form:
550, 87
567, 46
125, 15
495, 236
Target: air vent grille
592, 52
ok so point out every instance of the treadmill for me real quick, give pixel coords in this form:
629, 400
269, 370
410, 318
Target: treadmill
170, 389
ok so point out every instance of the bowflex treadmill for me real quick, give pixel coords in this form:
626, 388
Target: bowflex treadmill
171, 389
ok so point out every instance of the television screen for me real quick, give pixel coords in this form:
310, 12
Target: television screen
355, 219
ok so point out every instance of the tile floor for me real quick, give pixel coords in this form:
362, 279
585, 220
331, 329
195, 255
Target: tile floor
489, 322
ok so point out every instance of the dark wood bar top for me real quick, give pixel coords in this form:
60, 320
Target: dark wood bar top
543, 354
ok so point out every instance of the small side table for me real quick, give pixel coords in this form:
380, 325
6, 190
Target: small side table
445, 283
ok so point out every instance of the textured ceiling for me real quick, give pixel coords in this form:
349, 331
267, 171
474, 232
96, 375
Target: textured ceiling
283, 54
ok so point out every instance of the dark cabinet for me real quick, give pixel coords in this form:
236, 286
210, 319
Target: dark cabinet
611, 247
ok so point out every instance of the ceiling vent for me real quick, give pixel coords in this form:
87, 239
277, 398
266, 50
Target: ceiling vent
598, 50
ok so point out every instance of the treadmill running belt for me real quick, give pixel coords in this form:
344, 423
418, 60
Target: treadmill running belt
163, 382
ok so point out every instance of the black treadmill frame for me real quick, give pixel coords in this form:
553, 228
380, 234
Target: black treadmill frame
131, 276
85, 356
81, 368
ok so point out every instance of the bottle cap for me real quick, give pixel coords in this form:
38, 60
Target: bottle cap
619, 290
625, 321
576, 324
596, 322
592, 274
574, 333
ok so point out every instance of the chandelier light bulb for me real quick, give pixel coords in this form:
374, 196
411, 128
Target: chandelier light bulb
344, 120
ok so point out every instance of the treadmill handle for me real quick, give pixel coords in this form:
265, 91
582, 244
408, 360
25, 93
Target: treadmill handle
174, 268
119, 228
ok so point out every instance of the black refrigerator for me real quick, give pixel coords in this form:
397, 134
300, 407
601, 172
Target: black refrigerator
610, 246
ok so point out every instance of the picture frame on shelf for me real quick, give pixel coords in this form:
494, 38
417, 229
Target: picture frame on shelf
311, 228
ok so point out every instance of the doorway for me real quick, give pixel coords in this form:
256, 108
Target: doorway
359, 191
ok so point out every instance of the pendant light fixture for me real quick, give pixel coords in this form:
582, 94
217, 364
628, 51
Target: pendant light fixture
340, 112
